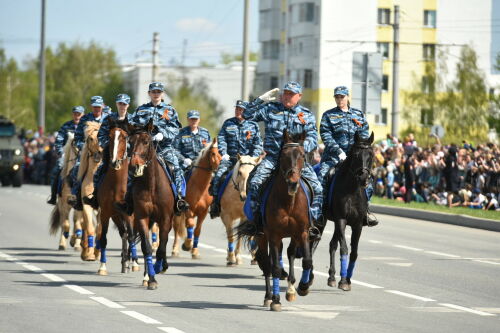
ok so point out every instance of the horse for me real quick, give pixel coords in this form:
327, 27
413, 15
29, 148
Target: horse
198, 199
348, 206
113, 189
59, 217
90, 159
153, 200
286, 215
232, 202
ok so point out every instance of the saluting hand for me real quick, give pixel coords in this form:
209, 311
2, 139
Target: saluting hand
270, 96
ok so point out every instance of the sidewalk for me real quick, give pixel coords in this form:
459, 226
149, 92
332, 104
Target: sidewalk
455, 219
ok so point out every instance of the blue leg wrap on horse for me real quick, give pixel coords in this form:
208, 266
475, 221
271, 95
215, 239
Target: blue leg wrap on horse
66, 234
103, 255
90, 241
133, 251
195, 242
190, 232
350, 269
98, 244
343, 265
276, 286
230, 246
158, 265
154, 237
78, 232
149, 262
281, 261
305, 275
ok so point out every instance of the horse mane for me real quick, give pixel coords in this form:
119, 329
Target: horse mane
91, 126
67, 153
203, 152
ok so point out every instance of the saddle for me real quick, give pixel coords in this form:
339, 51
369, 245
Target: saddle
169, 171
226, 176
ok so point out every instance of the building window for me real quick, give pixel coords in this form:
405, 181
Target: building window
430, 18
384, 16
429, 52
271, 49
382, 117
427, 117
306, 12
308, 78
427, 84
383, 48
273, 82
385, 82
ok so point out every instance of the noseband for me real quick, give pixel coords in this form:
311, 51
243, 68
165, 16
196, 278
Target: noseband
235, 185
285, 173
362, 169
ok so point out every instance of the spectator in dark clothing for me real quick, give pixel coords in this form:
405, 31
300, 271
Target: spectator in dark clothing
409, 172
450, 173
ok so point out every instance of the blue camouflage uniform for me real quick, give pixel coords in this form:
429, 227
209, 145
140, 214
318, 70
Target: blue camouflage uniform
189, 144
236, 137
166, 122
338, 129
277, 118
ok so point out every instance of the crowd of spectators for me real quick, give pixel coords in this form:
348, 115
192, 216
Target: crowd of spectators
447, 175
39, 157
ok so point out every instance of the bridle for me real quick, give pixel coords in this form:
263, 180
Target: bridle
287, 172
209, 169
118, 162
145, 158
235, 184
362, 169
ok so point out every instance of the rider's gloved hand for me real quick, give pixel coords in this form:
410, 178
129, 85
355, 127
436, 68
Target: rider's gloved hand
225, 157
158, 137
187, 162
342, 156
269, 96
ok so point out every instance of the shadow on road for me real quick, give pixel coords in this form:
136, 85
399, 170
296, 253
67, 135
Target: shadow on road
215, 276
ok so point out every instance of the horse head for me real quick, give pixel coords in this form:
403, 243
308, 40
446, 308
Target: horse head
241, 172
91, 131
292, 160
214, 156
360, 159
118, 139
143, 150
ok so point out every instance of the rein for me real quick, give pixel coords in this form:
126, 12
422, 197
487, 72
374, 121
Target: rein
235, 185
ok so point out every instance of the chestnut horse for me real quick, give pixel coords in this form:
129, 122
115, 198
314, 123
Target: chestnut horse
113, 189
59, 217
153, 200
198, 199
286, 215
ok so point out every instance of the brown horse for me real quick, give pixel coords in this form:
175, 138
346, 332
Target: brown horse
59, 217
113, 189
198, 198
286, 215
90, 159
153, 200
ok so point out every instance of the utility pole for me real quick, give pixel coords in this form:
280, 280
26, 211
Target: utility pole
395, 75
41, 73
364, 89
155, 53
183, 59
244, 86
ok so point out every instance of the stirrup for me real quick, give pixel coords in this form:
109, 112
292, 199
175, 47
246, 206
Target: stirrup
314, 234
52, 200
370, 220
181, 206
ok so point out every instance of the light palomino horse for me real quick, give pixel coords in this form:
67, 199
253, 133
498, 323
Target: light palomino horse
232, 202
90, 159
198, 198
59, 217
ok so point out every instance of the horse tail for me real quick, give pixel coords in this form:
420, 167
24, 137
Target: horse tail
179, 226
246, 232
55, 221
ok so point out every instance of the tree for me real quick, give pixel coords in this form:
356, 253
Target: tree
226, 58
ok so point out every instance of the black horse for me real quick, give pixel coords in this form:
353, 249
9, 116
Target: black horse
348, 206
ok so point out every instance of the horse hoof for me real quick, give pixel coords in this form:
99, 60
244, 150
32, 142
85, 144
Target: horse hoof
253, 262
303, 289
152, 285
90, 258
344, 286
276, 307
154, 245
230, 264
77, 248
187, 245
145, 283
267, 303
175, 254
331, 282
291, 297
136, 268
239, 261
97, 253
103, 272
62, 247
195, 256
72, 240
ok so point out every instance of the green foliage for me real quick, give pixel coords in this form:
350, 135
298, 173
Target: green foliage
227, 58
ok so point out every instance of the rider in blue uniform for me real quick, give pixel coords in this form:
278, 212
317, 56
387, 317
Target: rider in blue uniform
279, 116
236, 137
122, 104
338, 128
61, 138
191, 140
166, 127
97, 116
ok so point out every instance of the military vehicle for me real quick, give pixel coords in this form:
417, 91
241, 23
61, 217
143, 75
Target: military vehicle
11, 155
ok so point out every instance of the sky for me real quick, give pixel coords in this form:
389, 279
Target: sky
209, 26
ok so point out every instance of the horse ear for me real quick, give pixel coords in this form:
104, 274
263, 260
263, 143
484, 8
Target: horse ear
286, 136
238, 156
112, 122
370, 139
149, 126
356, 137
214, 141
259, 158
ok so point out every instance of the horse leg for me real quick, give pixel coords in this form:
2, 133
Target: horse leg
155, 230
355, 236
161, 264
284, 274
231, 256
237, 252
274, 247
333, 248
195, 253
343, 257
124, 254
177, 232
64, 232
253, 246
132, 250
291, 293
147, 251
103, 242
88, 225
188, 242
98, 231
304, 283
76, 238
264, 262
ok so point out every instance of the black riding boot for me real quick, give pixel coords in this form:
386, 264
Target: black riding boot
78, 205
53, 193
214, 209
126, 206
92, 200
314, 231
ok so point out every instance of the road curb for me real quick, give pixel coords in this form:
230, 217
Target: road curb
455, 219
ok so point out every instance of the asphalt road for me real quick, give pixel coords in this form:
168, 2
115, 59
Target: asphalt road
411, 276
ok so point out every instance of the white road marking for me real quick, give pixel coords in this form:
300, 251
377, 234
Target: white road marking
33, 268
442, 254
12, 258
407, 247
107, 302
488, 262
141, 317
420, 298
458, 307
53, 277
375, 241
203, 246
4, 255
400, 264
79, 289
170, 330
219, 250
490, 310
367, 285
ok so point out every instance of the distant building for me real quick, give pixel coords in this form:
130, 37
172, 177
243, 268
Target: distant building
224, 81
